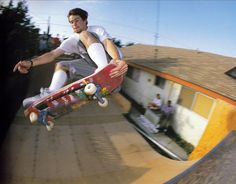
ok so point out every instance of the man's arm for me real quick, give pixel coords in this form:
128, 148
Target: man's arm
25, 65
111, 49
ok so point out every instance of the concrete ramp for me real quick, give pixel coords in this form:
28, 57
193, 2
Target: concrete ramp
90, 146
218, 166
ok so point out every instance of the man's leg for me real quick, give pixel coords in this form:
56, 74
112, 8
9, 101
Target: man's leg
70, 70
59, 78
64, 71
95, 49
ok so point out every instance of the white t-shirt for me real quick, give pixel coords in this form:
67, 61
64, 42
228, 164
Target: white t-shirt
157, 102
70, 45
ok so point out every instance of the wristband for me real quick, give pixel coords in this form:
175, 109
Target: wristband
31, 63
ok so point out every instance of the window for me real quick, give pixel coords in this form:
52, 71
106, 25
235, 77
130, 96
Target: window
232, 72
203, 105
196, 101
133, 73
186, 97
160, 82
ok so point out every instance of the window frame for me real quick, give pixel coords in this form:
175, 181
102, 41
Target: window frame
133, 73
162, 82
194, 101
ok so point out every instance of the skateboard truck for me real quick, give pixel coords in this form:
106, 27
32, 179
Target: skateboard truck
42, 118
93, 90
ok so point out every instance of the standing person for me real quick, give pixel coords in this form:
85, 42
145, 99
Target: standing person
166, 117
92, 43
156, 103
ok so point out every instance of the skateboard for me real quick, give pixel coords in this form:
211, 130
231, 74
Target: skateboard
72, 96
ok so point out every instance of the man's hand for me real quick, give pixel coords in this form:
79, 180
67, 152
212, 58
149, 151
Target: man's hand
23, 66
120, 69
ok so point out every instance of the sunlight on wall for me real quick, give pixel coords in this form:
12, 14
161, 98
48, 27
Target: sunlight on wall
222, 121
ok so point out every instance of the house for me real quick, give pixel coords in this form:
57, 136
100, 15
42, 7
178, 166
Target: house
196, 82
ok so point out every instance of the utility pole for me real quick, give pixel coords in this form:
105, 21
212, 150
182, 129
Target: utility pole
156, 35
48, 31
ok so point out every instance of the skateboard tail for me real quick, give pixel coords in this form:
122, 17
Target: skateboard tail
30, 110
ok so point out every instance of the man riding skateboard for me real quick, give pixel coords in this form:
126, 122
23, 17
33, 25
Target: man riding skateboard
92, 43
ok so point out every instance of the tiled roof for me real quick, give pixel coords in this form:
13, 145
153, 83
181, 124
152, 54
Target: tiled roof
201, 68
218, 166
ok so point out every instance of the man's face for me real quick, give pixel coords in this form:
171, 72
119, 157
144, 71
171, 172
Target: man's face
77, 23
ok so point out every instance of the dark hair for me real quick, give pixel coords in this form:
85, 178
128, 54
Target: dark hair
78, 11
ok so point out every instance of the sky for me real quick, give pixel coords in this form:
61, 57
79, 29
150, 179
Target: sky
204, 25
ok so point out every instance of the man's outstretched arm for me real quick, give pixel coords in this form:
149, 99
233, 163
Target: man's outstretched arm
24, 65
122, 66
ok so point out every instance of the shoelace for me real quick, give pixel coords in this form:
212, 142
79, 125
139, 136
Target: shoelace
44, 92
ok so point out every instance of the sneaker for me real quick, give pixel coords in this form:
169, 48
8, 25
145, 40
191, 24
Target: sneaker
28, 101
157, 126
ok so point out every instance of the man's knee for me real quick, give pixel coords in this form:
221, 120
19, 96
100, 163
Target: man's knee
87, 38
60, 66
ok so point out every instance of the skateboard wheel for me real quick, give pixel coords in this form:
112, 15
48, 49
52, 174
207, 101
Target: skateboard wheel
90, 89
50, 126
33, 117
104, 103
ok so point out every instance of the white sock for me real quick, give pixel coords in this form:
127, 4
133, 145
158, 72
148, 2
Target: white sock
98, 55
58, 80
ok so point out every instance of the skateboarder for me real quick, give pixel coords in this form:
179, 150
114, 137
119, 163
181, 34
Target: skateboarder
92, 43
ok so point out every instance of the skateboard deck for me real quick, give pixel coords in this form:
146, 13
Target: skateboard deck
71, 97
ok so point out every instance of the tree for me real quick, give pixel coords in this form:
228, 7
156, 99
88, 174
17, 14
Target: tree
129, 44
19, 36
117, 42
19, 39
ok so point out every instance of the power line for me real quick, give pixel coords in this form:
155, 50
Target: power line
156, 33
